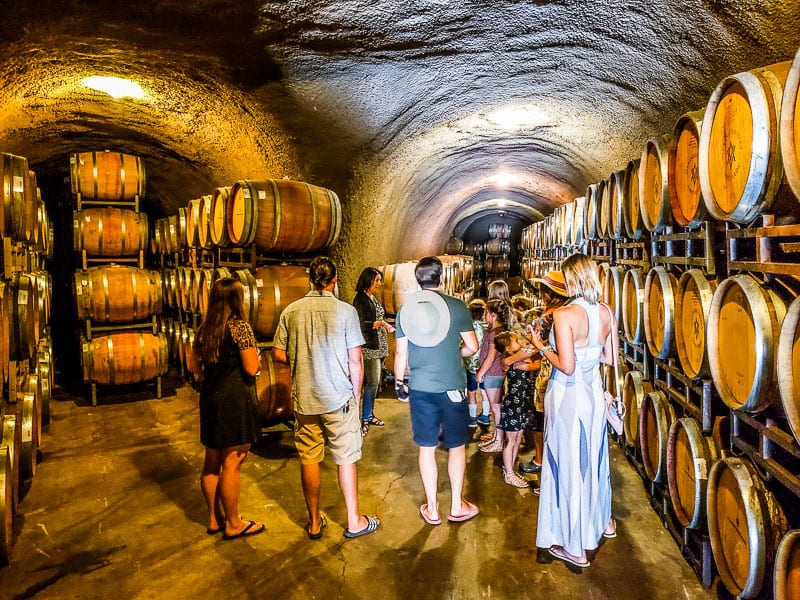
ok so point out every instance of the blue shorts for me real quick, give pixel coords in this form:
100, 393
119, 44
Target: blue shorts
472, 382
433, 413
493, 382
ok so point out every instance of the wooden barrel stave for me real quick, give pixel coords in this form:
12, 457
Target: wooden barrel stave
631, 212
692, 305
659, 312
633, 305
107, 176
690, 455
110, 231
274, 389
634, 389
277, 287
218, 228
788, 367
117, 293
655, 418
786, 581
654, 184
685, 195
399, 282
124, 358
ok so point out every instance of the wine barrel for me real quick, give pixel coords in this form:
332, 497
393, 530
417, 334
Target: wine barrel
180, 229
689, 458
473, 249
399, 282
219, 209
6, 505
612, 291
685, 196
578, 221
204, 224
31, 386
611, 383
26, 424
602, 275
275, 288
44, 373
631, 213
283, 215
604, 209
633, 306
654, 184
28, 227
497, 265
110, 231
790, 126
7, 324
187, 337
786, 581
25, 327
788, 367
10, 438
43, 230
741, 171
454, 245
743, 331
498, 247
634, 389
123, 358
15, 180
193, 223
659, 312
117, 294
592, 212
692, 305
567, 221
616, 206
274, 389
655, 418
745, 525
106, 176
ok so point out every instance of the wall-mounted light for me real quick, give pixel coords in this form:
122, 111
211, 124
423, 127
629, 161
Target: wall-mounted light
115, 87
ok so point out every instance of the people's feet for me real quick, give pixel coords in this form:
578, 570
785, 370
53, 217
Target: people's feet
511, 478
373, 420
364, 427
473, 423
468, 511
249, 528
487, 437
529, 467
561, 554
317, 534
493, 446
371, 524
610, 531
483, 420
431, 517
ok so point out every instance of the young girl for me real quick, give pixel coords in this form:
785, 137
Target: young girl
515, 413
490, 372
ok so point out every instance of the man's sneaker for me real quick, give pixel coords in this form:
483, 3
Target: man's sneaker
483, 420
473, 423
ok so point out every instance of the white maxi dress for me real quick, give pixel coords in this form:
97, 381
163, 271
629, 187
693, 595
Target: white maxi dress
575, 502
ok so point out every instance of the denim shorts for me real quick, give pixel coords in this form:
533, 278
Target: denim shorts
492, 382
433, 413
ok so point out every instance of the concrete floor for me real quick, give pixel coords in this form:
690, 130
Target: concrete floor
115, 511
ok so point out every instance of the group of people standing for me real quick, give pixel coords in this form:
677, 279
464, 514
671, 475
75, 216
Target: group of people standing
335, 351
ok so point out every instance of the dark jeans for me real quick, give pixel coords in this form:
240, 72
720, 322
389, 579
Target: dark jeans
369, 389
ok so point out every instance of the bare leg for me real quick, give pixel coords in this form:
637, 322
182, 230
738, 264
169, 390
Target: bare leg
229, 485
209, 483
511, 449
348, 484
429, 472
538, 443
495, 396
311, 478
456, 464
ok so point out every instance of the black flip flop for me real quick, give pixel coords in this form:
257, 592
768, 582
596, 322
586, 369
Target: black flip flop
246, 532
318, 535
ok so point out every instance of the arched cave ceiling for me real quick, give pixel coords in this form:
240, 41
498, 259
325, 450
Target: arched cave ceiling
421, 114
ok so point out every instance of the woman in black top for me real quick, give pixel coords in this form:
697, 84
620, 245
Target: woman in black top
226, 361
376, 347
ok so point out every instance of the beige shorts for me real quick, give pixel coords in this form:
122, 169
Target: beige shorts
341, 429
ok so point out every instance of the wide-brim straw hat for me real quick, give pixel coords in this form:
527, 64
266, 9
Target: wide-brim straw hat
554, 280
425, 318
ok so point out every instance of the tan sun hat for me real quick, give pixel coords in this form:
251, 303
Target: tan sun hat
554, 280
425, 318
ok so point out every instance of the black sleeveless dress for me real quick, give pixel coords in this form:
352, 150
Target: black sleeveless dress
228, 402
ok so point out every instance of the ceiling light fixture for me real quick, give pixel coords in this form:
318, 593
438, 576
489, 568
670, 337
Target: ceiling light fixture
115, 87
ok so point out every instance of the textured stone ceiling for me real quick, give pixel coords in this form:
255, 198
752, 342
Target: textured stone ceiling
422, 115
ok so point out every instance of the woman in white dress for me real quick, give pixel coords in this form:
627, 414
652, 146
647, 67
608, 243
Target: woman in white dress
575, 504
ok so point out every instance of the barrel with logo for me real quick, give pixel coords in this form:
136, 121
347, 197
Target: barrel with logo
634, 389
631, 211
633, 306
26, 431
786, 580
692, 305
24, 332
218, 214
685, 197
283, 215
399, 283
110, 231
788, 367
275, 288
743, 332
690, 455
655, 418
612, 291
741, 170
14, 182
654, 184
117, 293
44, 373
106, 176
6, 505
274, 389
745, 526
591, 213
790, 126
124, 358
659, 312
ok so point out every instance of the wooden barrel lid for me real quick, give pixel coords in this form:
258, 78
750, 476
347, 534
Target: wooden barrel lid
686, 200
692, 304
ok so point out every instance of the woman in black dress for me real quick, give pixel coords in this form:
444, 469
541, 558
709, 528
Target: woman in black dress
226, 361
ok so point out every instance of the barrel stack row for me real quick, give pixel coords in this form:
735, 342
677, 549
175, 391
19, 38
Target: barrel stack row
261, 232
492, 256
25, 348
698, 247
116, 298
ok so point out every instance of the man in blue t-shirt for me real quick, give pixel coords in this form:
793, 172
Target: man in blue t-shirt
434, 331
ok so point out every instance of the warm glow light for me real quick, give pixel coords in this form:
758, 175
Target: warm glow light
516, 118
115, 87
503, 179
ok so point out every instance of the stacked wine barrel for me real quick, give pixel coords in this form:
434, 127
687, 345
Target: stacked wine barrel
698, 246
116, 298
25, 348
261, 232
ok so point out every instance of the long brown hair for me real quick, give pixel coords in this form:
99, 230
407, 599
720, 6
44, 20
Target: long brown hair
225, 300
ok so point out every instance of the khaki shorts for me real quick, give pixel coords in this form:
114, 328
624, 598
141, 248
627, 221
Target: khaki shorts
341, 429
